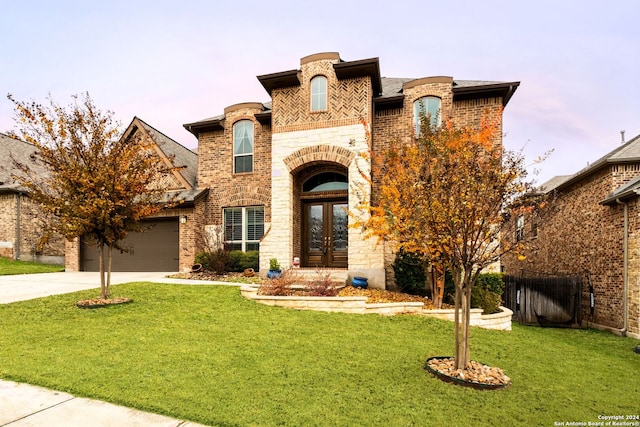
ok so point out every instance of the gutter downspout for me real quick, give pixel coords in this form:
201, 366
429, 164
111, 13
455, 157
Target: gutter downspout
625, 266
16, 245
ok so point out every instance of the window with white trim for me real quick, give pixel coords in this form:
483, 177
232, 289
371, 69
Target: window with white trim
243, 146
319, 93
244, 227
520, 228
429, 107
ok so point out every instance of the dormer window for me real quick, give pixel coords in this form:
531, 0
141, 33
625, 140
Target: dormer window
429, 106
243, 146
319, 93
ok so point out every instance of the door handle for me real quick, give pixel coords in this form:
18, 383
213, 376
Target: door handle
325, 246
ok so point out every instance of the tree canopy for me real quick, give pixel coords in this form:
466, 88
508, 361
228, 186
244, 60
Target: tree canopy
98, 184
443, 195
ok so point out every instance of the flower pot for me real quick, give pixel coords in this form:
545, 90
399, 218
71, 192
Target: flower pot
272, 274
360, 282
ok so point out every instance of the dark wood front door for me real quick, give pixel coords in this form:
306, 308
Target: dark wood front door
325, 239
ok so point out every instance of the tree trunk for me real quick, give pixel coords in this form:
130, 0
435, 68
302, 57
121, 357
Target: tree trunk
103, 289
457, 308
462, 280
110, 258
437, 284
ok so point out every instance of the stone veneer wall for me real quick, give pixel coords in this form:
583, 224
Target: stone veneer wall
576, 234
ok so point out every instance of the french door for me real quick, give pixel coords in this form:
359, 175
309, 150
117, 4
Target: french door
325, 234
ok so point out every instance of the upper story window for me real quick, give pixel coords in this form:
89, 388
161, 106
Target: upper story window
520, 228
243, 146
429, 106
319, 93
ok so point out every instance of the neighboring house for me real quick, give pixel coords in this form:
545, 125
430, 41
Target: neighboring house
282, 175
22, 223
591, 227
169, 242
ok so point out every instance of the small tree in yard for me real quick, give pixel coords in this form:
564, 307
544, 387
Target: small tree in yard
97, 184
443, 195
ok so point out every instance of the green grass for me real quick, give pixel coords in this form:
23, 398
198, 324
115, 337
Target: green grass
9, 266
205, 354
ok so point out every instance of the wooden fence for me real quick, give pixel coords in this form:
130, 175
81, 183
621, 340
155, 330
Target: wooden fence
553, 301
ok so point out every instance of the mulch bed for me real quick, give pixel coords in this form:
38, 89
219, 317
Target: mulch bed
477, 375
101, 302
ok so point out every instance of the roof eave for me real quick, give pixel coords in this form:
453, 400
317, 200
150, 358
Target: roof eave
502, 90
279, 80
362, 68
204, 126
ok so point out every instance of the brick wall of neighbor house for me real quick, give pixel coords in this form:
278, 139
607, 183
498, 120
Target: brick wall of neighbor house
7, 225
215, 166
634, 268
33, 226
576, 234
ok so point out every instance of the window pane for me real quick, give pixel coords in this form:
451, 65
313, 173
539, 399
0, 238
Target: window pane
233, 224
243, 164
252, 246
255, 223
319, 93
428, 106
243, 137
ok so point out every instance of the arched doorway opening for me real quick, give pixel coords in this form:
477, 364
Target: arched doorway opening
323, 212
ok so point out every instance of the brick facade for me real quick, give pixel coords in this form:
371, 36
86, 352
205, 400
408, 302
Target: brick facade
577, 234
22, 225
292, 143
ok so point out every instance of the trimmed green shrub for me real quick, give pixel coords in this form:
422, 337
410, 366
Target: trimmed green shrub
410, 275
222, 261
239, 261
487, 293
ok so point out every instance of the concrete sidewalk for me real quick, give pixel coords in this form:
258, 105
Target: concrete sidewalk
21, 287
24, 405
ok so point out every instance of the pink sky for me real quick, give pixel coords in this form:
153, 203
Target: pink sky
172, 62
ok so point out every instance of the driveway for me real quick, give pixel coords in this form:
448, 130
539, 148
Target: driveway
29, 286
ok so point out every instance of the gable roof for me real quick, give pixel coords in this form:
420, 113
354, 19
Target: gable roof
628, 152
182, 156
12, 148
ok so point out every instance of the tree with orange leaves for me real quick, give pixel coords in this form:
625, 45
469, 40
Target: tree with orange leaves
443, 195
96, 183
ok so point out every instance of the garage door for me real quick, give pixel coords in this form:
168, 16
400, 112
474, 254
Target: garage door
156, 249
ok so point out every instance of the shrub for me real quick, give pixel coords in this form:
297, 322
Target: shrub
279, 286
487, 293
322, 285
410, 275
239, 261
216, 260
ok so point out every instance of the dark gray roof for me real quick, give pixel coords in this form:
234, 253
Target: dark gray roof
630, 189
554, 183
183, 157
628, 152
21, 151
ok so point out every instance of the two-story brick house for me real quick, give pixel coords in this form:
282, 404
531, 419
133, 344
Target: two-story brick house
283, 175
591, 227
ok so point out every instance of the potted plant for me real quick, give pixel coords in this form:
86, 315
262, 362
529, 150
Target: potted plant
274, 269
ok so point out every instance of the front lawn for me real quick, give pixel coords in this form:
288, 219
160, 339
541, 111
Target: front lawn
205, 354
9, 266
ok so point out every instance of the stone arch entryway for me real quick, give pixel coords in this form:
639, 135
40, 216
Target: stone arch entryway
320, 204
